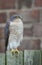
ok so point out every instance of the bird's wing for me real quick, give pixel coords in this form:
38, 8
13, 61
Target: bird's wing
6, 33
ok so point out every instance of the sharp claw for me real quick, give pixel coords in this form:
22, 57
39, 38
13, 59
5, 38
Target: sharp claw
12, 51
16, 51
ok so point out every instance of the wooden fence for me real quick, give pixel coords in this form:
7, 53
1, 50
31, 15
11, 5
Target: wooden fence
26, 57
2, 59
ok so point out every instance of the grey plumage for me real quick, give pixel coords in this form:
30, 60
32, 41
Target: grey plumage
6, 30
6, 33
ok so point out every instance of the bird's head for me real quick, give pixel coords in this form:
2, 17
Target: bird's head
15, 17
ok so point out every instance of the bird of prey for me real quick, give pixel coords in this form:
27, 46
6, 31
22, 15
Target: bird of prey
13, 33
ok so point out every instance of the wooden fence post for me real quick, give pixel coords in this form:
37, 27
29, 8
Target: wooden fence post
2, 58
16, 59
32, 57
41, 57
28, 57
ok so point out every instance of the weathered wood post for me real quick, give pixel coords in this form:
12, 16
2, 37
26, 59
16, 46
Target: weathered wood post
41, 57
26, 57
16, 59
2, 58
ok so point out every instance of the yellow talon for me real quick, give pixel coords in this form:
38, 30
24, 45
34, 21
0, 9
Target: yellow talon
12, 51
16, 51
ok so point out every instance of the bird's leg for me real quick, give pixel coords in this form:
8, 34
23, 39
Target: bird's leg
16, 51
12, 51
